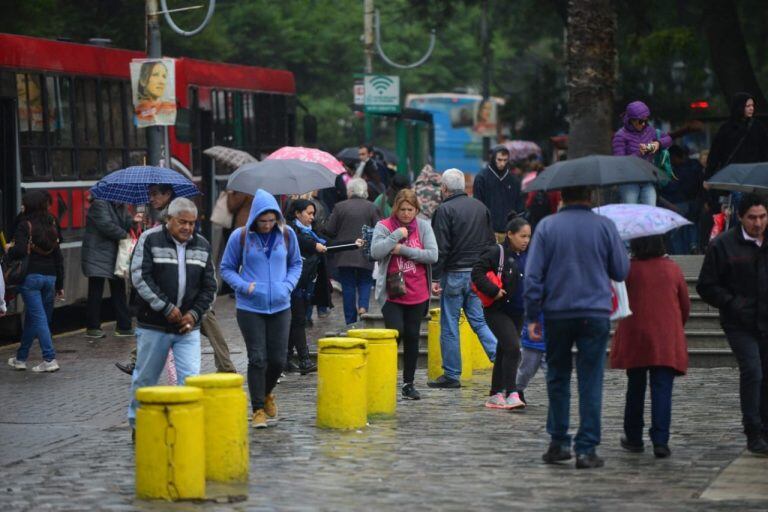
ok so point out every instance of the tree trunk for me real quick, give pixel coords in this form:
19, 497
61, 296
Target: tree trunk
728, 51
591, 58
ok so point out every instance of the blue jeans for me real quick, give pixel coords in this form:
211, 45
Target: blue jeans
635, 193
152, 348
355, 290
684, 238
458, 294
590, 335
662, 378
38, 293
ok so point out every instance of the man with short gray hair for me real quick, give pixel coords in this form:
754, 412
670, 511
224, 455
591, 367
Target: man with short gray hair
462, 227
174, 276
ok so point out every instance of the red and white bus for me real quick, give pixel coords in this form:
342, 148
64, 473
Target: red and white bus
66, 120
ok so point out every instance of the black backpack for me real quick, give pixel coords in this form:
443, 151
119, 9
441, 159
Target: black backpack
539, 208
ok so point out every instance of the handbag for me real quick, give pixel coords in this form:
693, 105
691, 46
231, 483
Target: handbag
124, 252
396, 285
494, 277
15, 269
664, 163
619, 301
221, 214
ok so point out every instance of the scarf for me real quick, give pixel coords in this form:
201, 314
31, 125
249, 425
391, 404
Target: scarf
308, 231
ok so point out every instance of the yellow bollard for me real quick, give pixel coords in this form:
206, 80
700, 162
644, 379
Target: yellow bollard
382, 369
170, 453
342, 383
465, 345
225, 408
434, 356
480, 360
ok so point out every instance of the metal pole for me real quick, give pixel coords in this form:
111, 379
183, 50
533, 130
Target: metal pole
486, 46
155, 134
368, 11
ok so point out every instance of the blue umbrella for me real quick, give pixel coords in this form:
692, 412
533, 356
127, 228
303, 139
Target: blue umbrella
131, 185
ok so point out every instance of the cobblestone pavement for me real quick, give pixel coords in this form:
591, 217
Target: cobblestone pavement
65, 445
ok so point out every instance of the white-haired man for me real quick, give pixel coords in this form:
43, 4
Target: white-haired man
174, 276
462, 227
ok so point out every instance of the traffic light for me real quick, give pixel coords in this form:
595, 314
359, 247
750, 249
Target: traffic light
699, 105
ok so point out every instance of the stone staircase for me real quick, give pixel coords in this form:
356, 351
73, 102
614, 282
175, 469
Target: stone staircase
707, 346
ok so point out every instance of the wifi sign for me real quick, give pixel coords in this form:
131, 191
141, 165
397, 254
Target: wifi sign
382, 93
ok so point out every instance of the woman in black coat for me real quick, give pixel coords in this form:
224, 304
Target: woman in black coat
105, 225
313, 287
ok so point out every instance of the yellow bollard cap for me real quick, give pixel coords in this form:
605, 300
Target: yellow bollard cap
168, 394
374, 335
434, 313
341, 345
215, 380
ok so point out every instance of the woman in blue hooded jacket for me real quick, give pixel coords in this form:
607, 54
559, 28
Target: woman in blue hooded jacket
262, 264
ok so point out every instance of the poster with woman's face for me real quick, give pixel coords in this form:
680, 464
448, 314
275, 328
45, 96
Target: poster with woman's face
154, 92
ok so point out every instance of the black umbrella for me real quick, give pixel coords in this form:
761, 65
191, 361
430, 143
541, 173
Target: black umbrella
350, 155
594, 171
742, 178
281, 177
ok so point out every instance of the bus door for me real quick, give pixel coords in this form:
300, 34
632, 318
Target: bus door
9, 167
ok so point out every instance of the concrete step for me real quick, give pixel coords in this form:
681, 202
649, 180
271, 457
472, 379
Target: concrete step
703, 320
698, 305
690, 265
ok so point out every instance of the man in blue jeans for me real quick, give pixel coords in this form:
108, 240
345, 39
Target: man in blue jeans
462, 227
573, 256
174, 277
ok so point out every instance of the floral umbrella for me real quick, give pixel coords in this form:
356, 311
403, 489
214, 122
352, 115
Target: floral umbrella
521, 149
316, 156
639, 220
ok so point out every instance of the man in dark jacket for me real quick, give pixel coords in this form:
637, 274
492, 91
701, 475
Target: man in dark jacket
462, 227
173, 273
734, 279
573, 256
499, 190
105, 225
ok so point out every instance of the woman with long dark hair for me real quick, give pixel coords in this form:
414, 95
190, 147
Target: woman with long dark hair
37, 237
505, 315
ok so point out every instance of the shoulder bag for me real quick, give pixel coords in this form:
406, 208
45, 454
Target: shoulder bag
494, 277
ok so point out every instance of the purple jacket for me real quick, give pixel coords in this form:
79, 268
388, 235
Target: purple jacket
627, 141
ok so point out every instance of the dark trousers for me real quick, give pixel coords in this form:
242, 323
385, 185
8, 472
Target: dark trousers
662, 378
751, 351
506, 328
119, 302
297, 338
266, 340
590, 335
406, 319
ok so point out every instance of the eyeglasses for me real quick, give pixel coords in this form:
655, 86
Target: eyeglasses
642, 122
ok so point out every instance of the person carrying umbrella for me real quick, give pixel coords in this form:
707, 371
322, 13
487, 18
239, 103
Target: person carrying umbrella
638, 138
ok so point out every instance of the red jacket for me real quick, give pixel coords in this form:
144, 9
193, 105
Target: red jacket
653, 335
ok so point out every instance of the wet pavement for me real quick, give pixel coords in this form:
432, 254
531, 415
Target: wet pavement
65, 445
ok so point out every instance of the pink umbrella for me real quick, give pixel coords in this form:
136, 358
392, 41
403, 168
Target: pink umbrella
327, 160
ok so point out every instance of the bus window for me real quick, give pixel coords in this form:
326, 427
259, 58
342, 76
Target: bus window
59, 91
31, 137
87, 129
137, 138
112, 116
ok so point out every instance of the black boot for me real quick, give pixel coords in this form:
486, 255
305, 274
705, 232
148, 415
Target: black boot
290, 367
306, 366
756, 444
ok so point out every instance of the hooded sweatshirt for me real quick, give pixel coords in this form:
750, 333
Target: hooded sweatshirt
264, 260
499, 191
627, 140
739, 140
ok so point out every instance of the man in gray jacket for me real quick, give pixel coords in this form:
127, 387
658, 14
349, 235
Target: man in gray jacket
462, 227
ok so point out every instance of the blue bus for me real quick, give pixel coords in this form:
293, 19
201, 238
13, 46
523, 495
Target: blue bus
461, 121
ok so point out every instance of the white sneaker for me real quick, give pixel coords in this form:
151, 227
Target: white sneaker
16, 364
336, 285
46, 366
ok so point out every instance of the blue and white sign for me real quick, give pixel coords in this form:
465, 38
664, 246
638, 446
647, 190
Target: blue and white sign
382, 94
